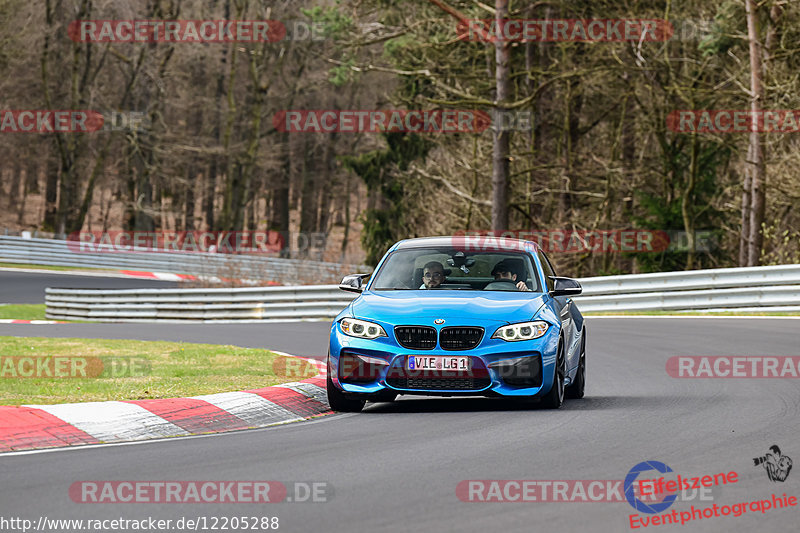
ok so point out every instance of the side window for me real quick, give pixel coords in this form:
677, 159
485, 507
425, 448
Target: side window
548, 270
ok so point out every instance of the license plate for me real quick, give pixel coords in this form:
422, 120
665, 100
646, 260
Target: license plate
438, 362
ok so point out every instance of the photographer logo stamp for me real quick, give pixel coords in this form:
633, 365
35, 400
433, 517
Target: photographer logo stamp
777, 465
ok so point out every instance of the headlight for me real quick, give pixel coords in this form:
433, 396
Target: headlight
524, 331
361, 328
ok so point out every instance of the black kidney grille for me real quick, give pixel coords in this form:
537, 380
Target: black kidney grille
416, 337
460, 338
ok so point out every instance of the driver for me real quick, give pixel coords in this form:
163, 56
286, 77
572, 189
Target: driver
503, 271
432, 275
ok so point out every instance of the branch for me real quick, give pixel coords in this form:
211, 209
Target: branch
565, 191
425, 72
460, 17
452, 188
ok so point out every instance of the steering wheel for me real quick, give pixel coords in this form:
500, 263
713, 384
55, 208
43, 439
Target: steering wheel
501, 285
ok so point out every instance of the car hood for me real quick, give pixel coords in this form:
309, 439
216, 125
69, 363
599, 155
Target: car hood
398, 307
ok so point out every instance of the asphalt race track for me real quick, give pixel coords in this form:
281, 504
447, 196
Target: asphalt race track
395, 467
28, 287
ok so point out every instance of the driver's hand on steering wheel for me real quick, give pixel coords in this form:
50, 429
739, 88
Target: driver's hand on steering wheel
522, 286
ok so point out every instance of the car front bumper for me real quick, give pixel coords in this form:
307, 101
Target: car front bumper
498, 367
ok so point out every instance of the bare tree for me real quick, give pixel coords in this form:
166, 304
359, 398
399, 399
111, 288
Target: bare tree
755, 163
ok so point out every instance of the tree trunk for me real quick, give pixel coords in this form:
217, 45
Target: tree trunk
686, 204
216, 133
308, 203
107, 211
573, 104
536, 53
279, 219
208, 194
280, 216
744, 236
327, 187
51, 192
129, 217
624, 190
756, 163
32, 181
16, 179
67, 195
19, 181
500, 139
188, 205
143, 220
346, 221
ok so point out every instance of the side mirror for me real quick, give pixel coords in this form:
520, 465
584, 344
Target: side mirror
565, 287
353, 282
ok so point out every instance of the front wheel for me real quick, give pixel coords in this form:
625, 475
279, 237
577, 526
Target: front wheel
337, 399
554, 398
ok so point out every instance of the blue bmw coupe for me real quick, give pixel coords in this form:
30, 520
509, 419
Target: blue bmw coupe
458, 316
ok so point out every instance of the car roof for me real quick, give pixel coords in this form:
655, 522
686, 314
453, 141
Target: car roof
484, 243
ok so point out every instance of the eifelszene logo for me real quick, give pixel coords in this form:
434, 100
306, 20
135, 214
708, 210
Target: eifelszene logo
630, 482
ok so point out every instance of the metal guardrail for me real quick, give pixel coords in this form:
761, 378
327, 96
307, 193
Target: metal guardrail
693, 279
208, 305
201, 264
748, 288
764, 288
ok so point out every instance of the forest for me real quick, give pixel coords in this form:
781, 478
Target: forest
567, 122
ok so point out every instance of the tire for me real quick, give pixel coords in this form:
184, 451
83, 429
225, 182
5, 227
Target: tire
554, 398
576, 390
337, 399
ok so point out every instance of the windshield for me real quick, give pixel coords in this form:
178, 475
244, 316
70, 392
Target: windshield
451, 269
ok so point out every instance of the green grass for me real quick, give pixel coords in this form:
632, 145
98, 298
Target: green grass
53, 267
23, 312
134, 370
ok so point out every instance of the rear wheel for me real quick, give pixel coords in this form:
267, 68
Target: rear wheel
576, 390
337, 399
554, 398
